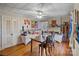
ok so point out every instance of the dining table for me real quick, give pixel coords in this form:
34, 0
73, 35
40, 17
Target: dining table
36, 40
42, 40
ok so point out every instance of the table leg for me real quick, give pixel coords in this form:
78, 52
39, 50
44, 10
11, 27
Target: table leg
31, 45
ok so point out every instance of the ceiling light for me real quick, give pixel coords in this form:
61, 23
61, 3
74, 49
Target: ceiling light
39, 16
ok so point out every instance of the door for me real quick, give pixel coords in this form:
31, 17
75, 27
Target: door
15, 32
9, 32
6, 32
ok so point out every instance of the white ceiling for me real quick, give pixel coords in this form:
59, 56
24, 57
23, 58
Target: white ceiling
30, 9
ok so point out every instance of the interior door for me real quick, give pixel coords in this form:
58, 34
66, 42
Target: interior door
9, 32
15, 31
6, 32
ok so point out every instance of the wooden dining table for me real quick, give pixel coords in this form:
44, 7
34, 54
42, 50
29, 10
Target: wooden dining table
37, 40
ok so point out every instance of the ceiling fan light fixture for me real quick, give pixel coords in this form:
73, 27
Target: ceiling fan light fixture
39, 16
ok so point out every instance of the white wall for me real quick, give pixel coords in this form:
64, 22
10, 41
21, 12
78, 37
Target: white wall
76, 6
15, 28
0, 30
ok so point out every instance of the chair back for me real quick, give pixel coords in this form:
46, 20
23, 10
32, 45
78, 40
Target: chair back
48, 39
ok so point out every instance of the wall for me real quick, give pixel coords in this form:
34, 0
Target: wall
11, 31
0, 30
76, 6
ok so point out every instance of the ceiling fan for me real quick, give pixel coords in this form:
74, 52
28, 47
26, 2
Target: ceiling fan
40, 14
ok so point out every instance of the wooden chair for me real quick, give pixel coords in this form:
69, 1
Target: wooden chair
47, 45
42, 46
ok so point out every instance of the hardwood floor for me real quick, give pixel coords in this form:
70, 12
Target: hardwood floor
61, 49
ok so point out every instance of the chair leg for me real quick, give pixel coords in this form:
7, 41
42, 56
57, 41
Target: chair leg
41, 51
46, 51
49, 50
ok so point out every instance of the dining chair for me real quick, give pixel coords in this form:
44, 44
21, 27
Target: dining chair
46, 45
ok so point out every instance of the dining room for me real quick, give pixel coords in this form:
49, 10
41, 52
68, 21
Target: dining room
37, 29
